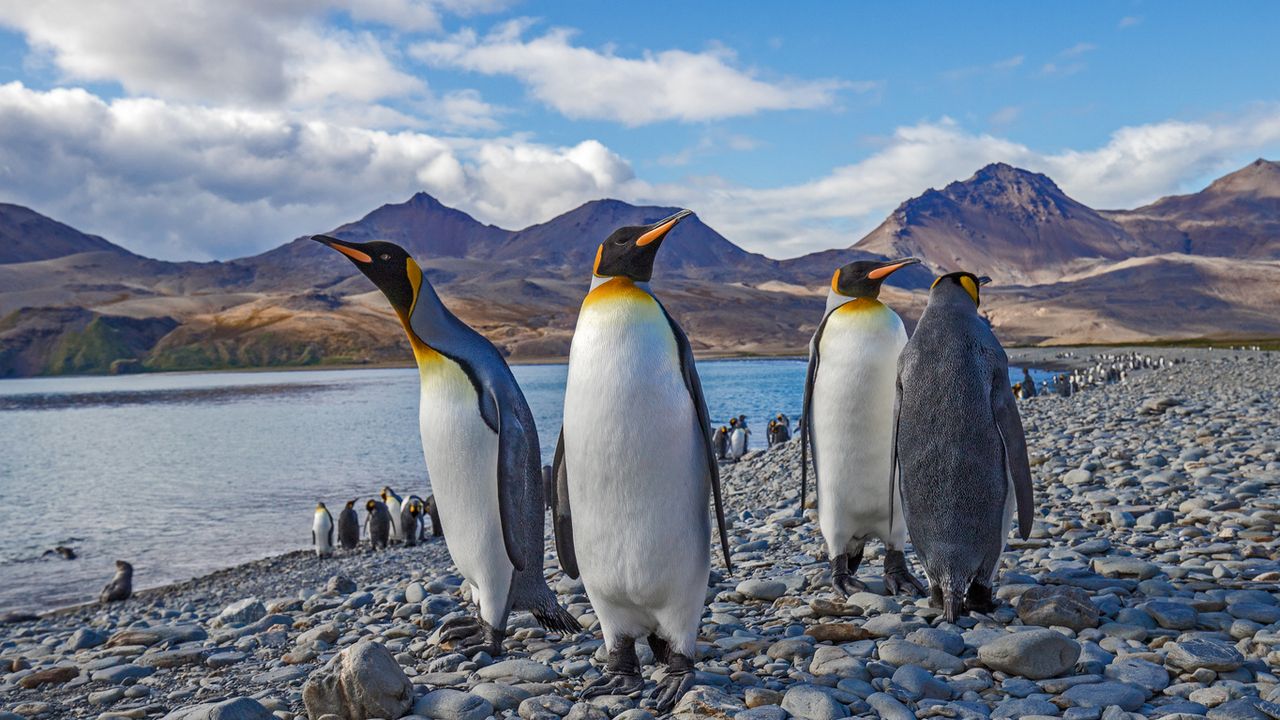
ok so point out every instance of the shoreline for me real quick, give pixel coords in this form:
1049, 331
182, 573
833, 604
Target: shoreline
1153, 346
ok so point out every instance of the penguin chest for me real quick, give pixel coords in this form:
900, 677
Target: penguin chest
461, 452
852, 406
634, 456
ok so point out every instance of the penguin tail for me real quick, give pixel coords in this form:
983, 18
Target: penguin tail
553, 617
952, 604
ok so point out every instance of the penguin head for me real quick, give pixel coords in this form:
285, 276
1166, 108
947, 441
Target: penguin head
350, 504
371, 505
965, 280
733, 422
320, 507
388, 265
630, 251
862, 278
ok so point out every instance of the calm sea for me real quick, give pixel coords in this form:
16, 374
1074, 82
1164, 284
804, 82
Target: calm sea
185, 473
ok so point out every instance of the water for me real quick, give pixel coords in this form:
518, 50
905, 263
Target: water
182, 474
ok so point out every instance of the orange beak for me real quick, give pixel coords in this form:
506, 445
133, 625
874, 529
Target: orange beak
661, 228
336, 244
891, 268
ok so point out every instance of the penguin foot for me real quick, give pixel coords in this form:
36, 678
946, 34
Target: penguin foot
612, 683
470, 636
622, 674
847, 584
679, 680
979, 599
898, 580
843, 567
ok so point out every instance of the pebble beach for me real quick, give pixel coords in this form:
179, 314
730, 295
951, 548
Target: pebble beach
1149, 587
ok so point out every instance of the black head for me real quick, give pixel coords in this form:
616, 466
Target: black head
122, 566
388, 265
966, 280
863, 278
630, 251
733, 422
350, 504
371, 505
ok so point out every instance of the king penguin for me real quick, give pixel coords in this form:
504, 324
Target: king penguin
379, 521
395, 506
481, 451
349, 527
848, 393
634, 468
322, 531
961, 455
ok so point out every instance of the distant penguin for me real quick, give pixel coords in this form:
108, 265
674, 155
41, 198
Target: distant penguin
848, 393
635, 470
961, 454
481, 449
1028, 384
720, 442
394, 504
433, 512
411, 521
378, 520
738, 442
785, 422
121, 586
349, 527
770, 434
322, 531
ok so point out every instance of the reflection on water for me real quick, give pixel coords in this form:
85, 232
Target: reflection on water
182, 474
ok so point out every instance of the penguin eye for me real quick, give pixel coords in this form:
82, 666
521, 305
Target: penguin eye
385, 256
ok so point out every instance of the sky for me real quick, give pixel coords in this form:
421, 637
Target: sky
213, 129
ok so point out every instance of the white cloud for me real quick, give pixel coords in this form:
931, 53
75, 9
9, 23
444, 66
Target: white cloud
191, 182
249, 52
583, 83
1128, 21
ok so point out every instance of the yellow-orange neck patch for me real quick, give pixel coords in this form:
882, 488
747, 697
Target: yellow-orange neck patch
615, 288
422, 352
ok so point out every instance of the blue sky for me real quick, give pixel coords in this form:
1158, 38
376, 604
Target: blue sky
219, 129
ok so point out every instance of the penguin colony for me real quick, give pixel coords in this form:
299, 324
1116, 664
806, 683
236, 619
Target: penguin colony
914, 438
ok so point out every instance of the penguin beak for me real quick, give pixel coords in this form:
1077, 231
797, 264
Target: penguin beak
891, 267
984, 280
659, 229
343, 247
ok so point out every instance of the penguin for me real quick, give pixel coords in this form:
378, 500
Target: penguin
738, 441
1028, 384
634, 467
349, 527
481, 449
434, 513
121, 586
781, 430
785, 422
378, 519
720, 442
394, 506
848, 393
770, 433
960, 451
322, 531
411, 521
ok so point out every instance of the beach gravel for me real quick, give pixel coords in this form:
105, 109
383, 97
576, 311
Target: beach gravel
1148, 588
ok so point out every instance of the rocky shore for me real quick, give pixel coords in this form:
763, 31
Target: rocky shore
1150, 587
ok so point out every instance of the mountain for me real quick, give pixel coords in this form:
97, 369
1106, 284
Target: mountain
1200, 265
1017, 226
1238, 215
26, 235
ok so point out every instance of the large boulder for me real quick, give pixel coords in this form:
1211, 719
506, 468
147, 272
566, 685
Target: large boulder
363, 681
1035, 654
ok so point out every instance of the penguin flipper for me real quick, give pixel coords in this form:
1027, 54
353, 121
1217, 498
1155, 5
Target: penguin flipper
1014, 443
561, 513
513, 464
806, 419
694, 385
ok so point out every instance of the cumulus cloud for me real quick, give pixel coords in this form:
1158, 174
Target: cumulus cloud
584, 83
277, 53
192, 182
